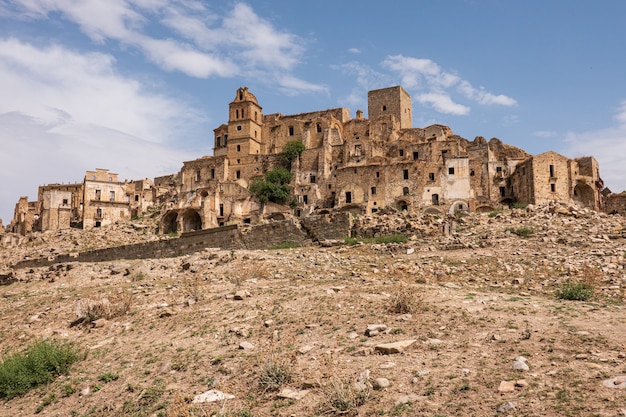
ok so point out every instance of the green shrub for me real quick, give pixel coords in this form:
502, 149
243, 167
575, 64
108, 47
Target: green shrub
284, 245
397, 238
351, 241
39, 364
108, 377
575, 291
520, 231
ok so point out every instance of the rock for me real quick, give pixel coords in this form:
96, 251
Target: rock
506, 386
374, 329
246, 345
507, 406
305, 349
362, 381
101, 322
211, 396
519, 364
387, 365
241, 294
395, 347
292, 393
618, 382
381, 383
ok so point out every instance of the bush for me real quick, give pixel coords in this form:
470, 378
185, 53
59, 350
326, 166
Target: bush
575, 291
520, 231
39, 364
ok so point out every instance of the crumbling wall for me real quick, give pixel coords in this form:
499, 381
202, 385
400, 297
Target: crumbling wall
616, 203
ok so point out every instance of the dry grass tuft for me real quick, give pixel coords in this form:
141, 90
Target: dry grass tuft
342, 398
405, 299
89, 310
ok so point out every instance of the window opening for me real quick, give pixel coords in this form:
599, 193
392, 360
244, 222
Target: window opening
451, 171
373, 190
405, 174
348, 197
431, 176
416, 156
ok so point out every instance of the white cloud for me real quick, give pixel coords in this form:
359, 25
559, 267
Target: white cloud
483, 97
354, 50
443, 103
434, 85
62, 113
607, 146
193, 40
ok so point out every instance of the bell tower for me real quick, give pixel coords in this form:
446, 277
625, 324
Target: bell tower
245, 122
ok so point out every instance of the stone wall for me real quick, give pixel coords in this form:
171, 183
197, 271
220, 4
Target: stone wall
233, 237
616, 203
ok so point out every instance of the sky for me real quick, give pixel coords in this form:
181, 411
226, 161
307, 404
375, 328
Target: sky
137, 86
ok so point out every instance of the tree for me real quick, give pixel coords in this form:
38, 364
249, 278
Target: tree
273, 186
290, 152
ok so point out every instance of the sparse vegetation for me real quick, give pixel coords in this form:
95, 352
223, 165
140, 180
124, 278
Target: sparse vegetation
341, 398
520, 231
405, 299
273, 186
274, 374
39, 364
89, 310
575, 291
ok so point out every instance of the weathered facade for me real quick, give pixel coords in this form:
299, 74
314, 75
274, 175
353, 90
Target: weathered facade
361, 165
365, 165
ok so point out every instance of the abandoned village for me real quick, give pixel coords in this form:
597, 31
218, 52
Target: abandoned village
359, 165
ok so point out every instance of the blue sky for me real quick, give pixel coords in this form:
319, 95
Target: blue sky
138, 86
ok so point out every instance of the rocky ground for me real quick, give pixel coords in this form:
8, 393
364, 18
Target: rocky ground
465, 323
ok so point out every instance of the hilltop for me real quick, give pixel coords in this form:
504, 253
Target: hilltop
480, 302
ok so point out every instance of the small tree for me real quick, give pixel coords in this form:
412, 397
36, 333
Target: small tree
291, 151
273, 186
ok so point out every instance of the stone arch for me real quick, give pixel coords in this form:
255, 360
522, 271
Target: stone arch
432, 210
584, 195
402, 205
458, 206
169, 222
485, 209
276, 216
191, 220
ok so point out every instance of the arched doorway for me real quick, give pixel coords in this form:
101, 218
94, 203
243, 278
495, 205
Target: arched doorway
402, 205
191, 221
169, 223
584, 195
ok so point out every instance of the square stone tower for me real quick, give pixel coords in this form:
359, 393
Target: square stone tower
394, 101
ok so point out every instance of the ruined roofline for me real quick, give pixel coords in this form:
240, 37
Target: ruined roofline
284, 116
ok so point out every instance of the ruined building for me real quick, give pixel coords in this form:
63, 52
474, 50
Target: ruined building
361, 165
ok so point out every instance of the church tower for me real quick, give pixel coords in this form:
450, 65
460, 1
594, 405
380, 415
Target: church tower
245, 122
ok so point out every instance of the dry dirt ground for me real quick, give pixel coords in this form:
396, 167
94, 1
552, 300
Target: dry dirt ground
285, 331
